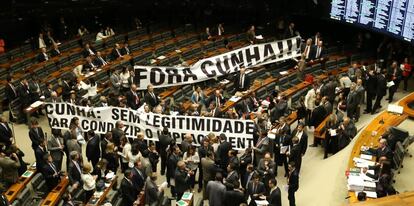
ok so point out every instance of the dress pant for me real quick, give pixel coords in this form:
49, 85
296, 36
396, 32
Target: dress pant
163, 155
377, 103
291, 197
370, 97
406, 78
392, 90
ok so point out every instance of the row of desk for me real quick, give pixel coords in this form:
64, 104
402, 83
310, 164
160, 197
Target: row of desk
370, 136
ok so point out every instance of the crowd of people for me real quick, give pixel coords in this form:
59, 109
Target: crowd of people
224, 175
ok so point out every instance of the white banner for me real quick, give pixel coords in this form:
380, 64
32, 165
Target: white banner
103, 119
223, 64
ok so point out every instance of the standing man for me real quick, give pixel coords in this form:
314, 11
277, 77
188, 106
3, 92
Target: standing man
381, 91
370, 85
274, 198
242, 81
6, 134
182, 178
11, 94
293, 183
56, 145
93, 150
215, 191
395, 76
360, 97
352, 102
36, 134
129, 193
164, 141
115, 82
150, 98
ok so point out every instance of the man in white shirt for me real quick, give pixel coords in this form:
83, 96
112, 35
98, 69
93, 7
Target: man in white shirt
310, 101
100, 35
308, 50
42, 43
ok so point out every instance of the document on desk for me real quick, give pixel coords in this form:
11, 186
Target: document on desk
235, 99
272, 134
332, 132
259, 37
284, 73
366, 157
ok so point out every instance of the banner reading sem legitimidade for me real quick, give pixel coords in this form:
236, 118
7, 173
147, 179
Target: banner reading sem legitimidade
103, 119
223, 64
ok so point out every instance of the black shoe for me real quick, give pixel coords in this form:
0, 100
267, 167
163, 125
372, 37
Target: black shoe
313, 145
286, 174
387, 99
199, 190
366, 112
326, 156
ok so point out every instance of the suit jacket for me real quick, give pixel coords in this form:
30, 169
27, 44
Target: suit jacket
261, 168
137, 179
39, 153
370, 84
48, 173
66, 88
311, 51
275, 198
125, 51
208, 167
36, 137
103, 144
152, 102
86, 53
53, 146
352, 100
73, 145
260, 189
131, 102
99, 62
115, 54
216, 193
152, 194
93, 150
181, 181
129, 193
74, 174
213, 98
232, 179
222, 153
41, 57
9, 169
293, 181
315, 52
24, 95
172, 165
303, 140
296, 155
234, 198
54, 52
318, 115
117, 133
10, 93
5, 134
246, 82
381, 85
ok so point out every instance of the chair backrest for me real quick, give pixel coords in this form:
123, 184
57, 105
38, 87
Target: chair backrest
24, 196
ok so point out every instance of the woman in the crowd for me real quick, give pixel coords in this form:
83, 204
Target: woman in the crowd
112, 157
89, 181
331, 140
191, 159
125, 148
90, 86
101, 169
124, 76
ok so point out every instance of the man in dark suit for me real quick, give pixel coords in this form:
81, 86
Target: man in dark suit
274, 198
248, 176
234, 197
394, 75
218, 98
117, 132
300, 133
255, 189
295, 153
40, 151
242, 80
173, 159
164, 141
222, 152
66, 90
150, 98
6, 134
182, 178
133, 100
105, 141
125, 50
24, 97
319, 52
50, 172
290, 31
138, 176
55, 51
36, 134
382, 150
89, 65
370, 85
282, 142
293, 183
263, 146
88, 51
93, 150
352, 102
329, 90
266, 168
129, 193
75, 169
99, 60
43, 56
116, 52
308, 50
381, 90
232, 178
10, 95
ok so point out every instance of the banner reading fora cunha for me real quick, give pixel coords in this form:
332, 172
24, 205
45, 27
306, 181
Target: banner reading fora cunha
220, 65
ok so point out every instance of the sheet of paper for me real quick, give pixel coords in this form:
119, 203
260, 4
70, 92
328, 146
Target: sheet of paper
259, 37
262, 202
284, 73
36, 104
332, 132
161, 57
234, 99
366, 157
178, 51
284, 149
390, 84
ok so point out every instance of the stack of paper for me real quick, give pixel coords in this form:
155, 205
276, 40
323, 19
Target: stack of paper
366, 157
187, 196
161, 57
36, 104
262, 202
359, 162
110, 175
234, 99
355, 183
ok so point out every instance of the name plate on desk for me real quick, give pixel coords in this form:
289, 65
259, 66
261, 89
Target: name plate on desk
395, 109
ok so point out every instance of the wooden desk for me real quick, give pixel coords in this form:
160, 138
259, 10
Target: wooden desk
404, 103
99, 200
366, 138
403, 199
54, 196
16, 188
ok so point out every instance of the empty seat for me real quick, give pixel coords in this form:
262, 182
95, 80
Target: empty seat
331, 64
24, 196
261, 93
